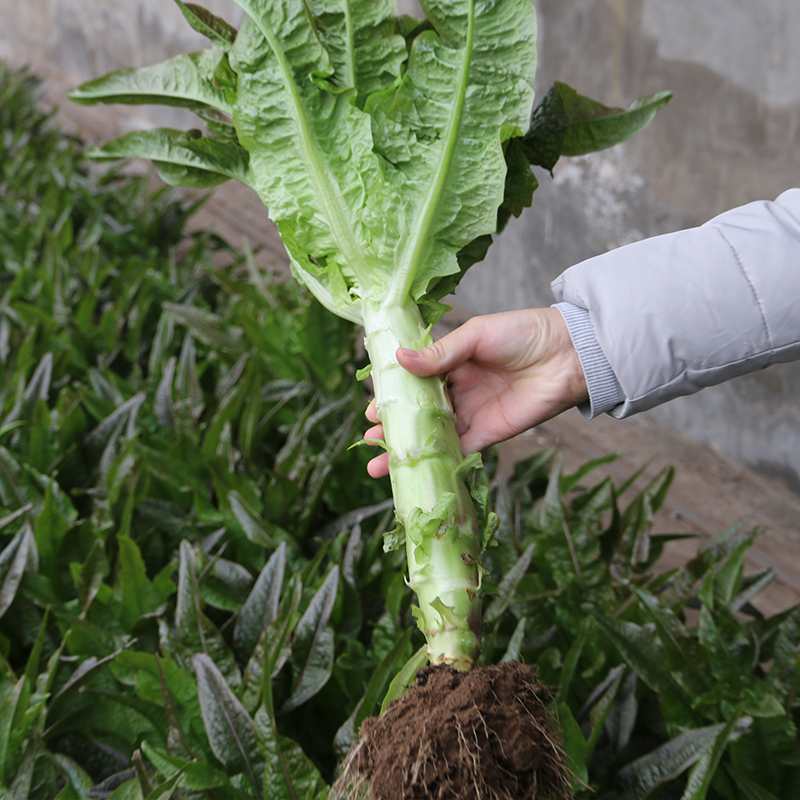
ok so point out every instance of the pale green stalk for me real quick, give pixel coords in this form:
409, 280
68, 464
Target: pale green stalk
432, 504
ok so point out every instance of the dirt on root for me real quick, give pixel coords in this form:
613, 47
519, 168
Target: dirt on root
480, 735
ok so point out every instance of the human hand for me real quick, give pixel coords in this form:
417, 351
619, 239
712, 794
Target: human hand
506, 373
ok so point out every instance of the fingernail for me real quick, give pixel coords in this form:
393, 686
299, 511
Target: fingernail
408, 353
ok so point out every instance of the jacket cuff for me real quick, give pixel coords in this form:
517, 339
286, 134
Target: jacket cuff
605, 391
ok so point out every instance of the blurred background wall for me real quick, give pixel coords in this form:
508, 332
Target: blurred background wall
730, 135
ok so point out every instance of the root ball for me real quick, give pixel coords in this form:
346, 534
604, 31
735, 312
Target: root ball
480, 735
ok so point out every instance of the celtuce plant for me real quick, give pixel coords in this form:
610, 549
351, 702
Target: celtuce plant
387, 151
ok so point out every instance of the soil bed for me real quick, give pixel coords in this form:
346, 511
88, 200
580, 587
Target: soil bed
480, 735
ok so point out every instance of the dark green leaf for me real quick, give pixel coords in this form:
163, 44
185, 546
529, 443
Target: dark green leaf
593, 126
91, 576
204, 22
288, 773
572, 657
129, 790
13, 562
520, 185
642, 776
21, 784
566, 123
228, 725
751, 790
205, 326
645, 654
8, 711
703, 771
684, 655
261, 606
575, 745
312, 644
347, 735
136, 592
508, 585
196, 631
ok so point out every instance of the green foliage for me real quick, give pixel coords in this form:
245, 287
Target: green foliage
566, 123
385, 148
194, 597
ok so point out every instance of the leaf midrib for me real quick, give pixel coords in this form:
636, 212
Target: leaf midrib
418, 238
342, 232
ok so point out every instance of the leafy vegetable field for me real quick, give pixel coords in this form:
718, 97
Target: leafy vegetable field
195, 601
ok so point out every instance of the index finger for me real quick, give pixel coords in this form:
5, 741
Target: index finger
371, 412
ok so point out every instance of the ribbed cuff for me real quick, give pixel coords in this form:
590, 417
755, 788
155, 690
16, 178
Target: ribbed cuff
604, 389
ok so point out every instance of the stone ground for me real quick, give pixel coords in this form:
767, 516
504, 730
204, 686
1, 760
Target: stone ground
710, 492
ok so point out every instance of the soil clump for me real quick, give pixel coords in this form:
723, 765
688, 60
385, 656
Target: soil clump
480, 735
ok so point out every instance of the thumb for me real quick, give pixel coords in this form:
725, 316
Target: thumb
445, 355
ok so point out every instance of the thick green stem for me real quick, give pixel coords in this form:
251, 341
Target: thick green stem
432, 504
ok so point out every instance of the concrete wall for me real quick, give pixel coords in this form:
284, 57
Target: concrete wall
731, 134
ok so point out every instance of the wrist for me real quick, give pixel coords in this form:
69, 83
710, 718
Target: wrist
601, 390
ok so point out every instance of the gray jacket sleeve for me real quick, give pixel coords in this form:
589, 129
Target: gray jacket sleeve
670, 315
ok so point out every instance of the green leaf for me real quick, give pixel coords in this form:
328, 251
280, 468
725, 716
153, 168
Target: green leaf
786, 642
210, 26
196, 631
508, 585
288, 773
312, 644
365, 48
566, 123
347, 735
8, 711
621, 719
182, 158
77, 777
684, 655
256, 529
272, 651
750, 789
728, 580
575, 745
261, 606
129, 790
645, 654
120, 424
356, 178
21, 785
91, 575
594, 127
666, 762
569, 482
86, 672
572, 657
14, 560
703, 771
137, 594
16, 488
405, 677
515, 642
753, 584
185, 80
520, 185
205, 326
230, 730
600, 704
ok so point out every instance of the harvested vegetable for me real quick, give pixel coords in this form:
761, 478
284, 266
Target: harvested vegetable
388, 150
